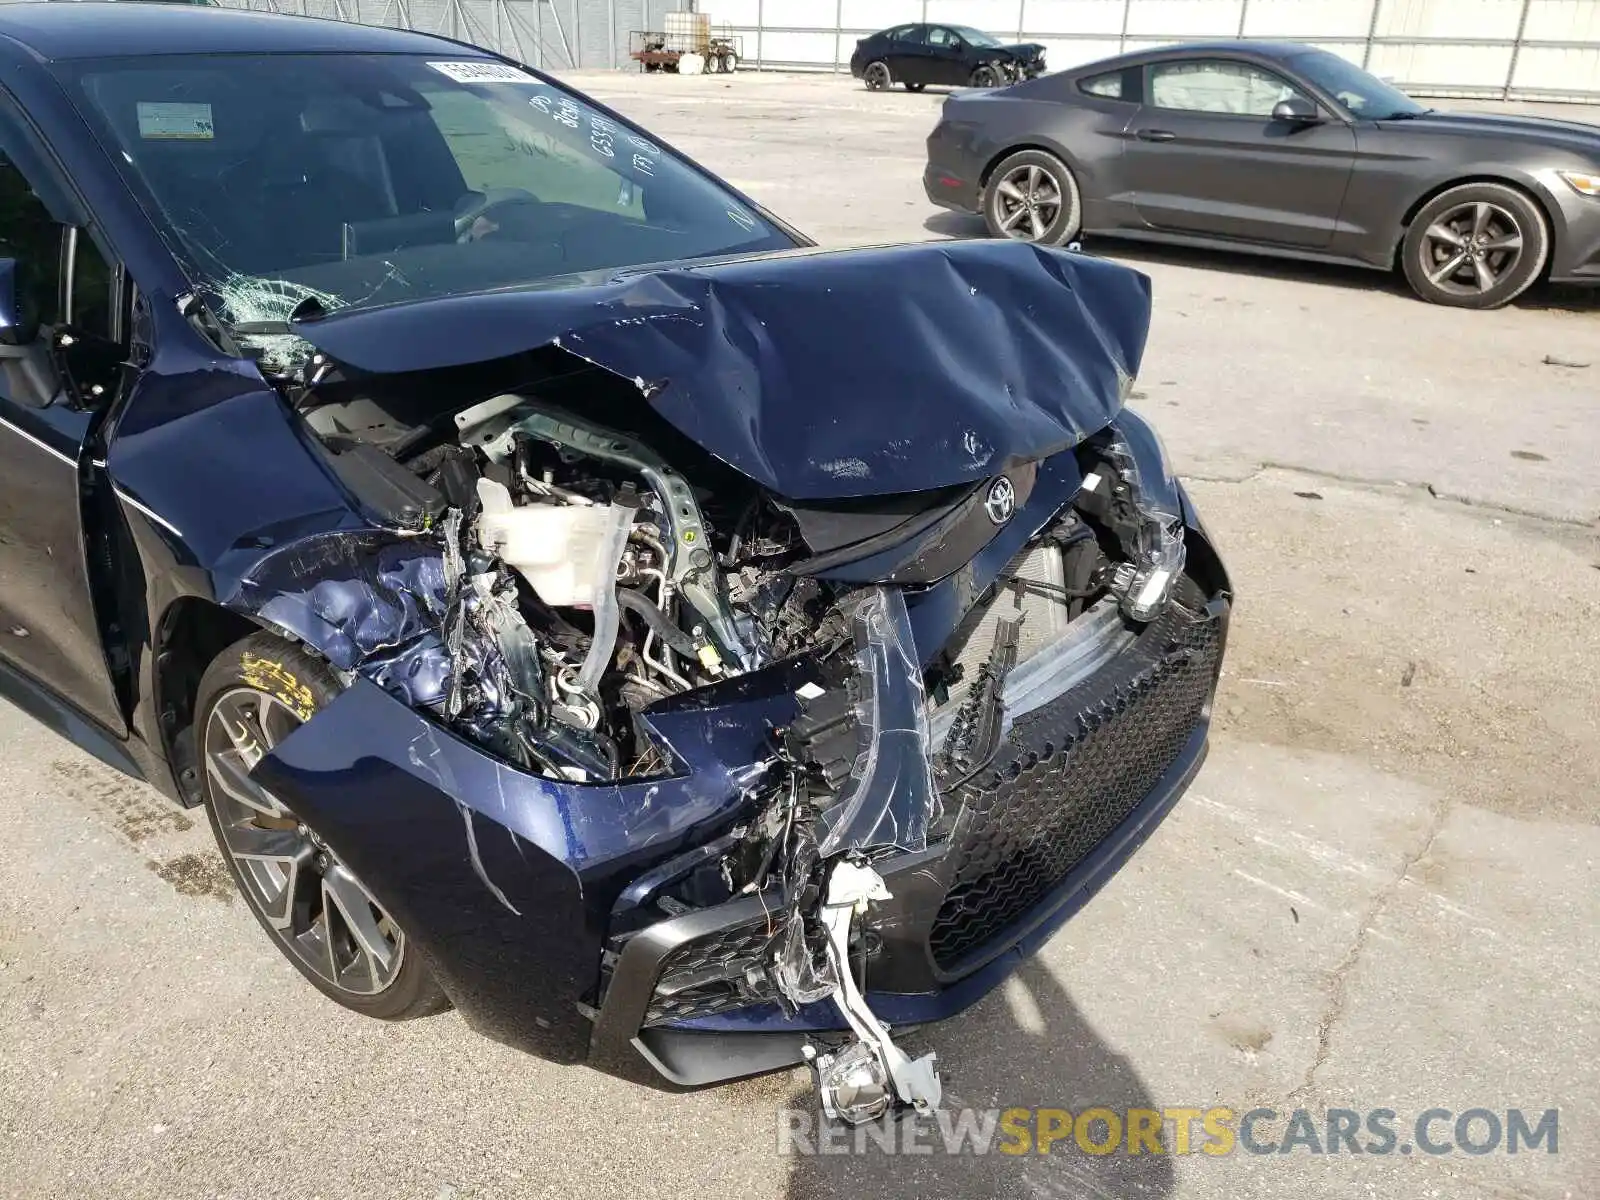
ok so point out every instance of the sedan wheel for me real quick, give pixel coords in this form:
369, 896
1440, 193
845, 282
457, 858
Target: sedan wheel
1032, 197
1477, 246
323, 915
320, 914
876, 76
985, 77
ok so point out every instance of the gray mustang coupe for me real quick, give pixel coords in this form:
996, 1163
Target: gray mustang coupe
1279, 149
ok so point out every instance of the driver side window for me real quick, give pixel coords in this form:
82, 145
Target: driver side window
39, 244
1217, 86
938, 35
31, 237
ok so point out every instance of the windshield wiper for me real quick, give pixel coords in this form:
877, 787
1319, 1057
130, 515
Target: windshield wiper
1408, 116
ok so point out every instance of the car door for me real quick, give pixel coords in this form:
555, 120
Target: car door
908, 54
947, 54
1205, 156
48, 626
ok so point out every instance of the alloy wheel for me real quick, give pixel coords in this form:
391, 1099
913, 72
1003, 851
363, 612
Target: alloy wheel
1030, 202
876, 76
1472, 248
313, 903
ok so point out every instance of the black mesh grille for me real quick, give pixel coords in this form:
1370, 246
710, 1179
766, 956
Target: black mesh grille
716, 973
1067, 776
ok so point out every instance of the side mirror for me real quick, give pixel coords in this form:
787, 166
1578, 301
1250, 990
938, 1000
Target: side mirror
15, 328
1297, 110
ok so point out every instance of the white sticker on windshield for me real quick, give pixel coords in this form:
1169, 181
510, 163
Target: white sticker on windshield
169, 119
482, 72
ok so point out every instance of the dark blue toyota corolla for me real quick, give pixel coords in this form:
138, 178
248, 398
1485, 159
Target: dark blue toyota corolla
572, 595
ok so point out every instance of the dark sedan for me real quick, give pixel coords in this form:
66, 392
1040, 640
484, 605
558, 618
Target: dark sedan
917, 55
494, 521
1280, 149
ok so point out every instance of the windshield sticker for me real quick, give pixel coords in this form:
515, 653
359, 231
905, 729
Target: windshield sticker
482, 72
607, 139
168, 119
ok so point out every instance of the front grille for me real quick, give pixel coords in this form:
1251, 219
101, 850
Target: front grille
1068, 774
716, 973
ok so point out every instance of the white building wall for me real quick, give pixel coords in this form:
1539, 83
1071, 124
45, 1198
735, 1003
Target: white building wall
1537, 49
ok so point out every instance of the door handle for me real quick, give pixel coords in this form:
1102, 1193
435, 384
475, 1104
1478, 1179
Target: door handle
1156, 135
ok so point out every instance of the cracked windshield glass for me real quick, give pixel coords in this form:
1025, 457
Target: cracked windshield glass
336, 181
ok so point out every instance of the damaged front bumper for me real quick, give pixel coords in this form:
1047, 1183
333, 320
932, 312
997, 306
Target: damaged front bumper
514, 886
1113, 734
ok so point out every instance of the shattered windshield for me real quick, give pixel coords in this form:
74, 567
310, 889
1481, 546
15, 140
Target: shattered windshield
359, 180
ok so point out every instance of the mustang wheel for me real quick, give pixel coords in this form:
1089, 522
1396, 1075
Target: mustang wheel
1032, 197
1476, 246
876, 76
316, 909
985, 77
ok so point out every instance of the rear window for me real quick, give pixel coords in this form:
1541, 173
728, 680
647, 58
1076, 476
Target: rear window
1110, 86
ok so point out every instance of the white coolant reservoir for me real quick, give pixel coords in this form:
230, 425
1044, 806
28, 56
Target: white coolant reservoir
565, 551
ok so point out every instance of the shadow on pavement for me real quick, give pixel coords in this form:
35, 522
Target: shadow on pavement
955, 225
992, 1058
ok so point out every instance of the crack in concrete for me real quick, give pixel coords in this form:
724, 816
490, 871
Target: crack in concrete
1433, 490
1339, 976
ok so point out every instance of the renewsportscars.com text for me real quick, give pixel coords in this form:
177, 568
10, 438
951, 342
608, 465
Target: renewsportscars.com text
1211, 1132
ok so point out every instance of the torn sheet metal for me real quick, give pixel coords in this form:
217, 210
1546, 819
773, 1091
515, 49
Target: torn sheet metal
820, 374
890, 800
351, 595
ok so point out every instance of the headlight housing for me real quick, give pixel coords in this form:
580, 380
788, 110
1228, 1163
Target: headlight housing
1586, 183
1144, 585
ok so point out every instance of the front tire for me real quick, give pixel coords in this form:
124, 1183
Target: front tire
1032, 197
876, 76
315, 909
1479, 245
985, 77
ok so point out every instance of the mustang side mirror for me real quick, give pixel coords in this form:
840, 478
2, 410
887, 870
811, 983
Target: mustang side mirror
15, 328
1297, 110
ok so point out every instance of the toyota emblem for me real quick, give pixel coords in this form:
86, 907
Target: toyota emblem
1001, 501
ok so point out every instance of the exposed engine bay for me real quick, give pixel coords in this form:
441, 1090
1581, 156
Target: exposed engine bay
584, 578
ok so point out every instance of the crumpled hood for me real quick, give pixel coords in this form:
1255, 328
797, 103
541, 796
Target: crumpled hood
821, 374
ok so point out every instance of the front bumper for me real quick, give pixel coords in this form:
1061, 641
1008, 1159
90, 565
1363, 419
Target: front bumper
697, 1053
1084, 779
1575, 255
509, 884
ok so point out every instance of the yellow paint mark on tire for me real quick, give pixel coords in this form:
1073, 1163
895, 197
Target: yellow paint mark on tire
272, 677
